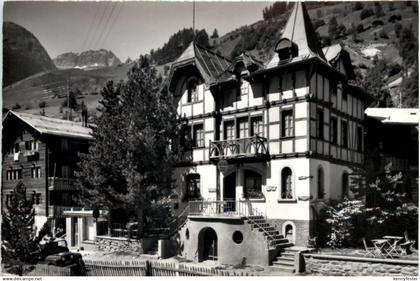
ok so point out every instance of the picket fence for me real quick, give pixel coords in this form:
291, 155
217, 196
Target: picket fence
153, 268
50, 270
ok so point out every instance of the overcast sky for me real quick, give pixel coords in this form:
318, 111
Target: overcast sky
126, 28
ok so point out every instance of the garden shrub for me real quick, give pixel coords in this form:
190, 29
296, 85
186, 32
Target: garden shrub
366, 13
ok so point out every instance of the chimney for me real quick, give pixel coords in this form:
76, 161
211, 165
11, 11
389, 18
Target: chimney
84, 117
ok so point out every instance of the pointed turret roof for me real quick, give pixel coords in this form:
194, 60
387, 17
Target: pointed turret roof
210, 65
299, 30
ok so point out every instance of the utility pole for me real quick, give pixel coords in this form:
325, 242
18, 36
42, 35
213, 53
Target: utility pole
68, 100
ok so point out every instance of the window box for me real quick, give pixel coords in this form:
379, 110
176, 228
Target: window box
292, 200
30, 153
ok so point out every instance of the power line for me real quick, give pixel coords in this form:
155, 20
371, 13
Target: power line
98, 25
87, 37
112, 24
105, 25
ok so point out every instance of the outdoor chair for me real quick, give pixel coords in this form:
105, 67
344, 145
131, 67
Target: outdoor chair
369, 250
406, 247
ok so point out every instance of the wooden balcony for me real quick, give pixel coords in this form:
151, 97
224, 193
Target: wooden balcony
62, 184
252, 147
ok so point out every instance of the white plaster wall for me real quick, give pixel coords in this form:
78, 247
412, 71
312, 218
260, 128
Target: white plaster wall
332, 178
207, 180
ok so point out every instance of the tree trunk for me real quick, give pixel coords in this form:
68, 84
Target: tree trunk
109, 223
140, 222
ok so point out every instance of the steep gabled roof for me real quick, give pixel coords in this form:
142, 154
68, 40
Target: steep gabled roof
336, 52
52, 126
300, 31
210, 65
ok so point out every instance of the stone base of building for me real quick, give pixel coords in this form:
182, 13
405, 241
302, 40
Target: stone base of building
297, 231
122, 244
228, 241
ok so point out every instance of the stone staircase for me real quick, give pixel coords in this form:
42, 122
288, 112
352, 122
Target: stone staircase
285, 260
274, 239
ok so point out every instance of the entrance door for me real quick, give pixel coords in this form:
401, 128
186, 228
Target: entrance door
208, 243
75, 232
229, 192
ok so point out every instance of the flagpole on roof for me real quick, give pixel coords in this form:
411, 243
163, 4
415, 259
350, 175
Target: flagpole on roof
194, 21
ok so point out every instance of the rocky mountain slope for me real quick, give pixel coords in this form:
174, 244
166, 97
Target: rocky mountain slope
23, 54
87, 60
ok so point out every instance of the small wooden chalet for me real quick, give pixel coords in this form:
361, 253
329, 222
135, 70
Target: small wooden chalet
42, 153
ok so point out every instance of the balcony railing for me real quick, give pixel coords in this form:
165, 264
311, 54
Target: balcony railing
221, 208
62, 184
239, 148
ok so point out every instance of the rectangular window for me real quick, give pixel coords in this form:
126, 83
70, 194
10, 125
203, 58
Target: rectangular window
257, 126
320, 124
287, 123
16, 174
64, 144
193, 187
65, 171
359, 136
186, 137
333, 88
333, 130
198, 136
17, 149
28, 145
344, 137
36, 172
229, 130
242, 129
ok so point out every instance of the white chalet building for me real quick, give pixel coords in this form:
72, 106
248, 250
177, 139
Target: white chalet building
266, 145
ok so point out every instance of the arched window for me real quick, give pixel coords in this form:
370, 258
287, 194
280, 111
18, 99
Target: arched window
193, 187
286, 183
345, 184
321, 190
253, 182
192, 93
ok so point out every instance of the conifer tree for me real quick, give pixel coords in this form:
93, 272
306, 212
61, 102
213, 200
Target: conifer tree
131, 153
18, 235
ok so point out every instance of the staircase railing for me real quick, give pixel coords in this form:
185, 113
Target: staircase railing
178, 222
241, 208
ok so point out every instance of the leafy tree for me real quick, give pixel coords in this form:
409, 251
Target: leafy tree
129, 164
379, 12
410, 88
375, 80
16, 106
42, 104
274, 10
357, 6
398, 27
19, 239
408, 47
72, 99
215, 34
333, 28
366, 13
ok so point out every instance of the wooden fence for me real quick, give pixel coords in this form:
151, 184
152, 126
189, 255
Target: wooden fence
153, 268
50, 270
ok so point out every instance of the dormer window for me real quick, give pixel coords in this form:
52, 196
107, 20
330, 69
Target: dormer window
286, 49
192, 92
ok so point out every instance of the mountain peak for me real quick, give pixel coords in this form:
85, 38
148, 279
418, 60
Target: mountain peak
87, 59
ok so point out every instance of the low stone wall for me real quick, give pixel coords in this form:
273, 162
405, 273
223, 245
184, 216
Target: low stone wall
330, 265
118, 244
